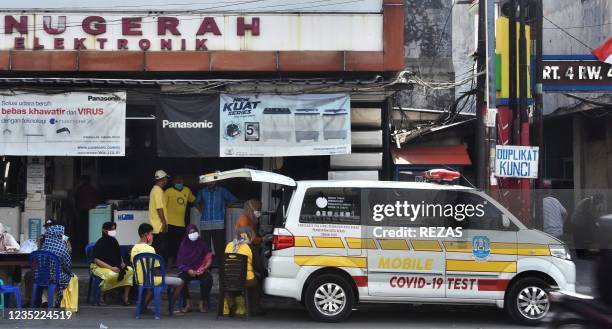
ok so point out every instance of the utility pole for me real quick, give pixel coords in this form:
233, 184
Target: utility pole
481, 146
538, 14
491, 91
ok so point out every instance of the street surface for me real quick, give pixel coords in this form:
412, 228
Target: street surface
285, 313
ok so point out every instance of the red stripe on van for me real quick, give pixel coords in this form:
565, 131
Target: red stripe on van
361, 280
492, 285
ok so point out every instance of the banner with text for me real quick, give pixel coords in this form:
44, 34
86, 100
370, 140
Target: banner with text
69, 124
516, 161
285, 125
188, 126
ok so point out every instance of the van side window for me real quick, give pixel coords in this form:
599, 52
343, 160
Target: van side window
331, 205
404, 207
485, 217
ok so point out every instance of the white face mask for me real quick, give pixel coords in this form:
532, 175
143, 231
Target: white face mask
112, 233
193, 236
65, 237
257, 213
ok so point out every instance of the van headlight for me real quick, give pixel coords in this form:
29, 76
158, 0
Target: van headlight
560, 251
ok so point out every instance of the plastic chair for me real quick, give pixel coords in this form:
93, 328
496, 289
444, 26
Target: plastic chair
148, 262
8, 289
94, 281
46, 273
232, 279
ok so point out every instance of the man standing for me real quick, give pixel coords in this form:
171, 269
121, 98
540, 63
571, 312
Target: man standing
211, 202
177, 197
554, 213
158, 213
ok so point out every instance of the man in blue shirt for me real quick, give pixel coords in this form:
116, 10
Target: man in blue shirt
211, 202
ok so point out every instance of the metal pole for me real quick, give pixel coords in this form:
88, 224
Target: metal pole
480, 143
491, 90
512, 73
539, 106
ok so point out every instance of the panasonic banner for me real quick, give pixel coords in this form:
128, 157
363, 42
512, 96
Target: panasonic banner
516, 161
284, 125
188, 126
64, 124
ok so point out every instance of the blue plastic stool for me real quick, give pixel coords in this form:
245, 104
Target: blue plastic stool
46, 272
8, 289
94, 281
148, 262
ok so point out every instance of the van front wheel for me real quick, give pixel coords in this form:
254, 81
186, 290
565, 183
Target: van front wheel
527, 302
329, 298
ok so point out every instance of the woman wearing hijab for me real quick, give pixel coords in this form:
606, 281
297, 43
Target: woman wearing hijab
54, 243
8, 243
193, 260
250, 218
108, 265
242, 245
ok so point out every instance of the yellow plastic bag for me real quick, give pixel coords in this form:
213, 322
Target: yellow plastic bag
70, 300
240, 306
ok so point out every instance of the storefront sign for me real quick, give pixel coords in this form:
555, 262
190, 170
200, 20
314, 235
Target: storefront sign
188, 126
576, 73
289, 125
155, 32
516, 161
70, 124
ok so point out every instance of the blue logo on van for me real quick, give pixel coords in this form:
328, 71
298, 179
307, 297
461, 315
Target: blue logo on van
481, 247
126, 217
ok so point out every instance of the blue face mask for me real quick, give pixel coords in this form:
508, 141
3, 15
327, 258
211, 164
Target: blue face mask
178, 186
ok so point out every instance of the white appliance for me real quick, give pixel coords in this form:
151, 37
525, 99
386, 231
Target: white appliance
10, 217
127, 225
277, 124
353, 175
32, 222
307, 124
335, 123
358, 161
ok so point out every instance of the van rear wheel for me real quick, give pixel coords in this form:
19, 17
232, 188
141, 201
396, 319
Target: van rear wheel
329, 298
527, 301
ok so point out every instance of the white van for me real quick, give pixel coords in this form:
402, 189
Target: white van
346, 242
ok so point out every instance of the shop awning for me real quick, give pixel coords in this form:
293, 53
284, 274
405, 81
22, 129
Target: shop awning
452, 155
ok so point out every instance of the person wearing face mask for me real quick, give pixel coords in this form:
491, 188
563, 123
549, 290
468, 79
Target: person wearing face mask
242, 244
158, 212
250, 218
193, 261
145, 231
8, 243
109, 266
178, 197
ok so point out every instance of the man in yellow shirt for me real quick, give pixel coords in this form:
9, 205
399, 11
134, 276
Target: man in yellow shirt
158, 213
145, 231
177, 197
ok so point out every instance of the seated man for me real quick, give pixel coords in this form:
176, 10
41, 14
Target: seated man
145, 231
242, 245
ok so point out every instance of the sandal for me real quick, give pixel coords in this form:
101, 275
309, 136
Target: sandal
186, 309
102, 303
202, 308
125, 303
178, 313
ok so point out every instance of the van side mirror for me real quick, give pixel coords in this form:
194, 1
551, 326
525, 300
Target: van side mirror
506, 221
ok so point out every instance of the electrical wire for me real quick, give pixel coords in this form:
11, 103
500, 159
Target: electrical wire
569, 34
578, 27
450, 12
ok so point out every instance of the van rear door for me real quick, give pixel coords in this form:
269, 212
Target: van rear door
250, 174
